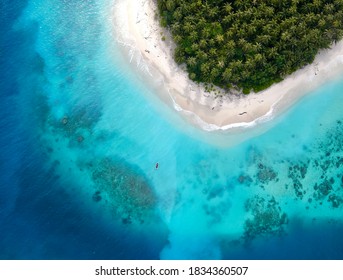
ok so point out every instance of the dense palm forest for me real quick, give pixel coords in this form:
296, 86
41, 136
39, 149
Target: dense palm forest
249, 44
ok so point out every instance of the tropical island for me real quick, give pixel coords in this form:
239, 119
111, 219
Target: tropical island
249, 44
218, 104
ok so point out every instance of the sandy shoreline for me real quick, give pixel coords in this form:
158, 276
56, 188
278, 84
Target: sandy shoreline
137, 29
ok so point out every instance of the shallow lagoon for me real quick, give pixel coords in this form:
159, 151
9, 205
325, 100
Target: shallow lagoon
82, 133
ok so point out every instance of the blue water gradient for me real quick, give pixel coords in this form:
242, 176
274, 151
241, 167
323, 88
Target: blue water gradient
81, 133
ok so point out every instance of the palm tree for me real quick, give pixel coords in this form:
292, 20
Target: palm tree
213, 12
201, 55
250, 63
272, 53
206, 33
203, 44
220, 38
248, 47
230, 47
242, 42
227, 8
188, 27
193, 36
178, 39
251, 29
175, 28
258, 46
201, 24
227, 20
264, 39
170, 5
259, 59
329, 8
293, 9
322, 22
215, 72
211, 42
213, 52
285, 36
192, 76
194, 47
205, 68
221, 62
191, 61
177, 15
227, 75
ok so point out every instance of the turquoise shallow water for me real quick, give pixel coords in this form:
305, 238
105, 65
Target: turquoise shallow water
101, 131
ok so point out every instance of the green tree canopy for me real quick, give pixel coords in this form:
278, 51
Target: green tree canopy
249, 44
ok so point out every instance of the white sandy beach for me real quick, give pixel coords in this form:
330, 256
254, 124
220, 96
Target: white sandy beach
136, 27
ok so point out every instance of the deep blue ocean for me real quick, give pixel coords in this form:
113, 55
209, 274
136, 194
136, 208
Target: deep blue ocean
81, 134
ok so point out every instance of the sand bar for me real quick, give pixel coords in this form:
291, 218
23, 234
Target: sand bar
136, 28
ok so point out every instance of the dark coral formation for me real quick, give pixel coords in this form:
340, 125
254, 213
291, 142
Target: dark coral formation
245, 179
265, 174
323, 189
323, 185
336, 201
215, 212
329, 165
74, 126
130, 195
267, 218
297, 173
215, 192
121, 187
96, 196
